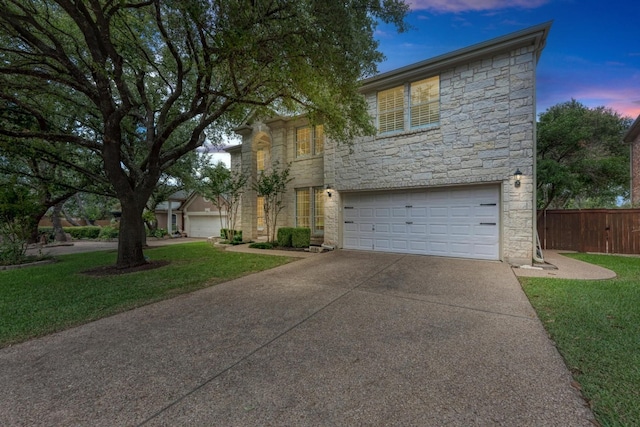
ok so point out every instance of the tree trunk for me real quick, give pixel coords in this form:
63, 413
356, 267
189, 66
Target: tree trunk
57, 224
131, 235
69, 219
34, 221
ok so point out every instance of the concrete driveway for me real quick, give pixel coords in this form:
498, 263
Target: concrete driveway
340, 339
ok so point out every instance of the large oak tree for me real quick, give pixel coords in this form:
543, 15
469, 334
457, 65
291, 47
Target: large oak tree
582, 160
147, 81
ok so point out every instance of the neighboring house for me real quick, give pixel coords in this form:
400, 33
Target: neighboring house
632, 137
191, 214
437, 179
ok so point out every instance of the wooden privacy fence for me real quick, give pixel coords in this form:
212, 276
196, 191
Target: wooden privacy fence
612, 231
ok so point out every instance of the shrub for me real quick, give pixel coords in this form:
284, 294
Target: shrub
157, 233
47, 232
87, 232
301, 237
108, 232
261, 245
284, 236
237, 234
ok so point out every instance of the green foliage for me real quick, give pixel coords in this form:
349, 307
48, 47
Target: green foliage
596, 325
108, 232
17, 207
271, 185
261, 245
123, 90
48, 232
582, 161
84, 232
294, 237
224, 189
158, 233
40, 300
301, 237
225, 233
284, 236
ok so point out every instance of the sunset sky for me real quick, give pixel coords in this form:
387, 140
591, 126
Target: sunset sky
592, 52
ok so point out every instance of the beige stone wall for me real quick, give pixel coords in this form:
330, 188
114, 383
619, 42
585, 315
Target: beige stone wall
486, 132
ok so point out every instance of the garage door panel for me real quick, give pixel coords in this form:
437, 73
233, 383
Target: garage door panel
383, 212
418, 229
383, 228
460, 230
438, 229
399, 212
365, 212
461, 222
461, 212
417, 212
399, 245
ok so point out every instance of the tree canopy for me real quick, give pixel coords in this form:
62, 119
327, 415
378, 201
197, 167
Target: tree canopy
582, 160
138, 84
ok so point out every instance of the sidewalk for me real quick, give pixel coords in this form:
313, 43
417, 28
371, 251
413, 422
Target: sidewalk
566, 268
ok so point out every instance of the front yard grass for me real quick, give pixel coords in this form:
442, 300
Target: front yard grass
596, 327
39, 300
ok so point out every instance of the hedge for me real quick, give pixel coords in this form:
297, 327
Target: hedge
297, 237
301, 237
237, 234
284, 236
83, 232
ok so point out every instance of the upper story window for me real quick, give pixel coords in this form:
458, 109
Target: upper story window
391, 110
425, 102
260, 156
309, 140
423, 108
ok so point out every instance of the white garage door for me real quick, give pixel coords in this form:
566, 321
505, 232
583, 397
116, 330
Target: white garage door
204, 226
458, 222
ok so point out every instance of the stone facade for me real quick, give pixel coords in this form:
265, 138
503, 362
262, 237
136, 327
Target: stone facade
485, 133
633, 139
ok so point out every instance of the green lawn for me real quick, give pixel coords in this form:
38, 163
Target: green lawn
596, 326
39, 300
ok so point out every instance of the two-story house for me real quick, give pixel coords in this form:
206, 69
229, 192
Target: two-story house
438, 178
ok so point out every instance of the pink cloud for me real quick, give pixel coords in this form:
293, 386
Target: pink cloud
473, 5
624, 101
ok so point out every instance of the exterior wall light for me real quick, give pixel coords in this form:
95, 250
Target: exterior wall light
517, 176
329, 188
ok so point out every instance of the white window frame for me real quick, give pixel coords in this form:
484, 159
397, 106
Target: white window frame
311, 209
315, 134
395, 105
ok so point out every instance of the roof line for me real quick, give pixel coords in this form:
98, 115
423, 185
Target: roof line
535, 35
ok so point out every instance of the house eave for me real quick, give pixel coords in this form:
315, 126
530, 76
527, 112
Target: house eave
233, 148
535, 36
633, 132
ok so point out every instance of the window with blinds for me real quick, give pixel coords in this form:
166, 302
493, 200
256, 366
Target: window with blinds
260, 159
260, 212
318, 139
303, 141
303, 208
391, 110
423, 109
425, 102
309, 140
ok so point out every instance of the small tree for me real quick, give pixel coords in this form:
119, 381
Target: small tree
17, 206
271, 185
224, 189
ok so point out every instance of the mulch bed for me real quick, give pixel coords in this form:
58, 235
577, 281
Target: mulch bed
112, 270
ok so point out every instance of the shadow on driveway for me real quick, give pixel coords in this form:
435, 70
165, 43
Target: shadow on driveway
346, 338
